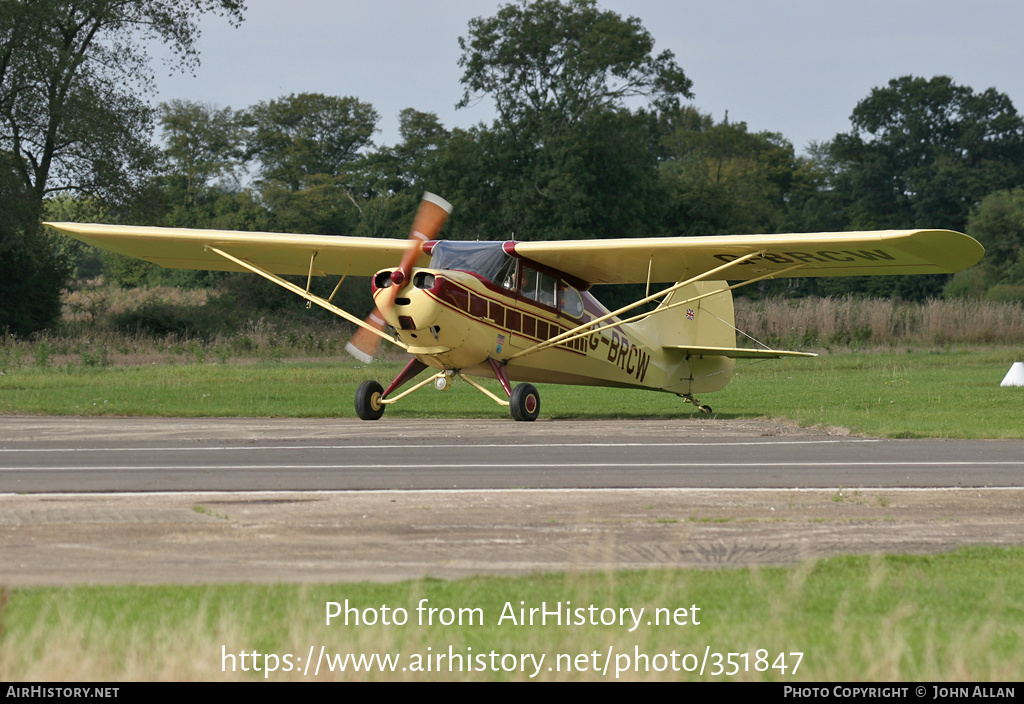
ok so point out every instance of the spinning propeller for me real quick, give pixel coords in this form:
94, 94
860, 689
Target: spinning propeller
430, 217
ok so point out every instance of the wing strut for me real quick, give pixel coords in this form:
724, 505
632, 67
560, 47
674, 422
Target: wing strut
589, 328
309, 278
312, 298
340, 282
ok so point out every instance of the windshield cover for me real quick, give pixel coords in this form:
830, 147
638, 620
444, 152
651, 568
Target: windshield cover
481, 258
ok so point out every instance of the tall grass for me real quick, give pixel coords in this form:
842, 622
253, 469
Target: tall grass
98, 305
939, 618
859, 323
105, 325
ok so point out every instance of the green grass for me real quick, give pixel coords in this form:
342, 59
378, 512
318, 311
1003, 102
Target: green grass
953, 394
950, 617
919, 394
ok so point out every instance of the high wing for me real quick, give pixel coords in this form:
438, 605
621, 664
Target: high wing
180, 248
653, 259
669, 259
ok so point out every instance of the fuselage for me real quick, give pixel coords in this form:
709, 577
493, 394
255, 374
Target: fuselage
478, 302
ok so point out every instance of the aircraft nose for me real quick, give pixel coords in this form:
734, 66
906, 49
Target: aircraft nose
398, 280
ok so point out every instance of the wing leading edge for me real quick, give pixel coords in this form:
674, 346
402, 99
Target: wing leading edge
669, 259
180, 248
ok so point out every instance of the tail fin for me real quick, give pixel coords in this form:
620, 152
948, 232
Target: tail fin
695, 326
697, 322
682, 322
705, 327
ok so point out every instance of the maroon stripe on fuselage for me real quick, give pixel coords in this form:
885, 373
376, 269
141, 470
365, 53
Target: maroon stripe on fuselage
495, 314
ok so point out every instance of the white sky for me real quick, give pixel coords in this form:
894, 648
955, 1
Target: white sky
792, 66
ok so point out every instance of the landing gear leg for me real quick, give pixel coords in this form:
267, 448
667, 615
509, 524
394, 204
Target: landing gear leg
370, 395
523, 400
372, 399
689, 398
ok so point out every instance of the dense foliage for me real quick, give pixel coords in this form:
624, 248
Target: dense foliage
73, 74
592, 140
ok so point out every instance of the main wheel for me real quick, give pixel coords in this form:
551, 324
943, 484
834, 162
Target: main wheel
524, 403
368, 397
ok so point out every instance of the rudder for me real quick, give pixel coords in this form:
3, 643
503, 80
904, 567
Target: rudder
681, 322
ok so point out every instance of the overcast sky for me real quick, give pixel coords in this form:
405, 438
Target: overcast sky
792, 66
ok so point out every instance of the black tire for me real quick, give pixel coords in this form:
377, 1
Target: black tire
368, 405
525, 403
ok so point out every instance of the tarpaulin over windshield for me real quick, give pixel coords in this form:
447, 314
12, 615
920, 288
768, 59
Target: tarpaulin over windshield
482, 258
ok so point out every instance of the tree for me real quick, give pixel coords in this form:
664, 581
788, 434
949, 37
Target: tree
564, 59
72, 118
998, 223
923, 153
203, 144
813, 204
566, 157
310, 148
598, 179
309, 135
72, 76
386, 185
408, 164
31, 273
722, 179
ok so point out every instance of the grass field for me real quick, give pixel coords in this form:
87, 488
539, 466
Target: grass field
953, 617
934, 393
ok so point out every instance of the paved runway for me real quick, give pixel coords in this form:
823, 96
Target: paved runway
156, 454
112, 500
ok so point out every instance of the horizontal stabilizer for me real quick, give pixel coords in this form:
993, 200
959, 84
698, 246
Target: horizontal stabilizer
736, 352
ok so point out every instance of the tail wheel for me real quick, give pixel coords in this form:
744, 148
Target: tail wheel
368, 401
524, 403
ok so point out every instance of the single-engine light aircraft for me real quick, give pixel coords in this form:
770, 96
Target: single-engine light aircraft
522, 311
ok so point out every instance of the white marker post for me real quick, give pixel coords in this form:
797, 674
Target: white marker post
1014, 377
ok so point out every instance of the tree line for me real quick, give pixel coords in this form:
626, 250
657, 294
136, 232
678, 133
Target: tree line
595, 136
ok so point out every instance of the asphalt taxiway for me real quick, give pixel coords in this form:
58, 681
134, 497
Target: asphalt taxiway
194, 500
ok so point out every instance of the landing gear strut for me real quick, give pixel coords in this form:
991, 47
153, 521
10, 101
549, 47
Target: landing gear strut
689, 398
372, 399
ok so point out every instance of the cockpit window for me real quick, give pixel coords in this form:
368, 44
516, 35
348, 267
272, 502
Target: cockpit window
489, 261
486, 259
507, 274
570, 302
549, 291
540, 287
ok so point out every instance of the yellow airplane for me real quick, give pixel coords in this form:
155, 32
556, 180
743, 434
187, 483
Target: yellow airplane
522, 311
